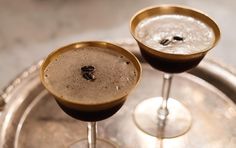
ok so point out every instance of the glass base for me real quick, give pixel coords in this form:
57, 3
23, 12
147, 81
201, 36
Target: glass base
177, 123
100, 143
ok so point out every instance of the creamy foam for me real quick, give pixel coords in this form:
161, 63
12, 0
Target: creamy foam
114, 75
197, 36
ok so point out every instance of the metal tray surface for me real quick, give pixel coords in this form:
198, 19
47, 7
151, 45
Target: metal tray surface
30, 118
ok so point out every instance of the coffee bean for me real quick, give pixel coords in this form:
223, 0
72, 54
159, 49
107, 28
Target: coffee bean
165, 42
178, 38
87, 68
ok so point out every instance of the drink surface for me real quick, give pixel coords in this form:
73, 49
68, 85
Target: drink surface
175, 34
90, 75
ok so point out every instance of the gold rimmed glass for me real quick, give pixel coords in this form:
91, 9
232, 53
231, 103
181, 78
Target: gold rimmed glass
91, 112
166, 117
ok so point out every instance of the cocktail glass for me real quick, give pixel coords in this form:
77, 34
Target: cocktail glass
90, 113
166, 117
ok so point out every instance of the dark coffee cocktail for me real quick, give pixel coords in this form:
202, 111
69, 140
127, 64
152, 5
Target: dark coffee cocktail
91, 82
174, 34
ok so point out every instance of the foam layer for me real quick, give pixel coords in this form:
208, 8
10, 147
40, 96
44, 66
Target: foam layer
196, 35
114, 75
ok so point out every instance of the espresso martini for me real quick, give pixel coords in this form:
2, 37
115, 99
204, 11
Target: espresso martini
172, 39
90, 82
174, 34
92, 79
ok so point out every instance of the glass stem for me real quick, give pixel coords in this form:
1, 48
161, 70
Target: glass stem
92, 132
163, 110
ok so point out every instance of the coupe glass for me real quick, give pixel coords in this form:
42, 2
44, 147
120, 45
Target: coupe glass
90, 113
165, 117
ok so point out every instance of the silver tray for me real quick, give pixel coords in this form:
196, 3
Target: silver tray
30, 118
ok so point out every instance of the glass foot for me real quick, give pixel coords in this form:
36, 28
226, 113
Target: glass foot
177, 123
100, 143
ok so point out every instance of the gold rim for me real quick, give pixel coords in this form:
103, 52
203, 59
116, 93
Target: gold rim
102, 44
173, 9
